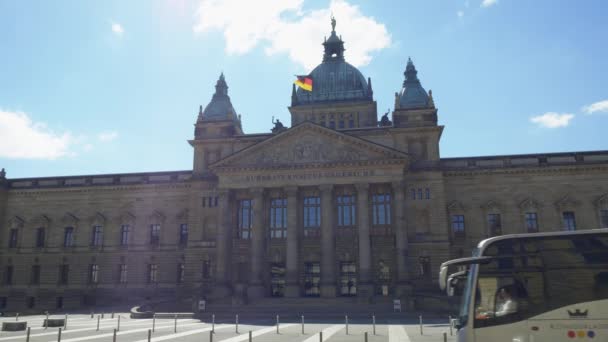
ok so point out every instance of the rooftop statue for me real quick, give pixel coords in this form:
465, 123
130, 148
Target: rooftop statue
278, 126
385, 120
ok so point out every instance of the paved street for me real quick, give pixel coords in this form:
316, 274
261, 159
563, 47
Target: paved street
83, 328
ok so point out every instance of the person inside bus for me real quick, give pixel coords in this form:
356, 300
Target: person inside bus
508, 305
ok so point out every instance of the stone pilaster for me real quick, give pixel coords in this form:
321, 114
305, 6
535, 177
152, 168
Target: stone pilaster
365, 286
223, 246
400, 226
292, 288
328, 274
258, 239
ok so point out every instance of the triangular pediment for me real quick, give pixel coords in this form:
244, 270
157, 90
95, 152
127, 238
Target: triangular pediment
309, 144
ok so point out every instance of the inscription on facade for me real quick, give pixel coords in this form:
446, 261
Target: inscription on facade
308, 176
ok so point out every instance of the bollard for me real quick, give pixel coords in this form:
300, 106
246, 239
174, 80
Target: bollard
277, 324
365, 337
153, 322
112, 315
46, 324
175, 325
17, 317
114, 336
250, 337
451, 326
211, 336
91, 314
420, 317
27, 337
118, 327
65, 322
236, 327
302, 324
59, 335
320, 336
374, 324
213, 323
97, 322
346, 323
102, 315
149, 335
445, 337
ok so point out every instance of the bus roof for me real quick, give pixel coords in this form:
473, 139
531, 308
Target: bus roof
487, 242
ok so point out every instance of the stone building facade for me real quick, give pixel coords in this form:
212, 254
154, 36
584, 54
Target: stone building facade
339, 204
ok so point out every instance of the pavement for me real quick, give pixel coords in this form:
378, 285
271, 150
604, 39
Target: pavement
82, 327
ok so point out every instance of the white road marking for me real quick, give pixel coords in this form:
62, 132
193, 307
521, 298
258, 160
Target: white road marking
185, 333
53, 330
327, 333
120, 333
396, 333
254, 333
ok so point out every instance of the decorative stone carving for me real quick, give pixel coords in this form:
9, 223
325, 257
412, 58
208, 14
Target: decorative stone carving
529, 203
16, 222
566, 202
601, 202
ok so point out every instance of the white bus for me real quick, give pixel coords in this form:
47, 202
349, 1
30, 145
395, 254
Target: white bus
533, 288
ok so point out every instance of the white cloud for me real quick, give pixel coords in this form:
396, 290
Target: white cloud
107, 136
488, 3
460, 14
283, 27
552, 120
601, 106
117, 29
21, 138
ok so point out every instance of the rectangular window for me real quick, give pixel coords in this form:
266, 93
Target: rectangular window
97, 236
40, 237
93, 274
124, 273
35, 277
494, 224
569, 220
125, 231
413, 194
206, 269
12, 238
8, 275
381, 209
155, 234
180, 273
277, 279
312, 216
348, 279
183, 234
346, 211
531, 222
351, 123
64, 271
458, 225
427, 193
59, 303
68, 237
419, 194
278, 218
604, 218
341, 124
152, 273
245, 219
312, 279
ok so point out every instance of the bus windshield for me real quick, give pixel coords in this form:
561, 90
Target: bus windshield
533, 275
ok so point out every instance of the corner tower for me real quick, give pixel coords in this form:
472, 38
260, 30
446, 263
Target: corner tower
341, 97
413, 106
218, 120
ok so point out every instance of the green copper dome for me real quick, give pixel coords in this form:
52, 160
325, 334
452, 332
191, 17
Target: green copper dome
334, 79
220, 107
412, 95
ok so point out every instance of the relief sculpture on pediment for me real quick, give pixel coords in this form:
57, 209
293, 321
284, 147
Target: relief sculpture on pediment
308, 150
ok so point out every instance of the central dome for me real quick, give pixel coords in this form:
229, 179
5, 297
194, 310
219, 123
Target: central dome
334, 79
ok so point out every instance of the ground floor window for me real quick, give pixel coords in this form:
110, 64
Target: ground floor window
384, 278
277, 279
312, 278
348, 279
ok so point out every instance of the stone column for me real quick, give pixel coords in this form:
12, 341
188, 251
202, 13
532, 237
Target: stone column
400, 226
292, 288
365, 287
328, 274
223, 246
258, 237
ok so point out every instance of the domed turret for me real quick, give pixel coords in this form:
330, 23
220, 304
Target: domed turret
334, 79
220, 107
412, 94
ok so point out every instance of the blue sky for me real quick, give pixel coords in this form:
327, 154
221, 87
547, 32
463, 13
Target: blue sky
114, 86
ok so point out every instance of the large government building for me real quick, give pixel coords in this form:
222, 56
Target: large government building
342, 203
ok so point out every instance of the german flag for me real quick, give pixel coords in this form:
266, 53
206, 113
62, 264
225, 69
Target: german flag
304, 82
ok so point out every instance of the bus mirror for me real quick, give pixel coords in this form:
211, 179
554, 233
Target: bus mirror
443, 275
